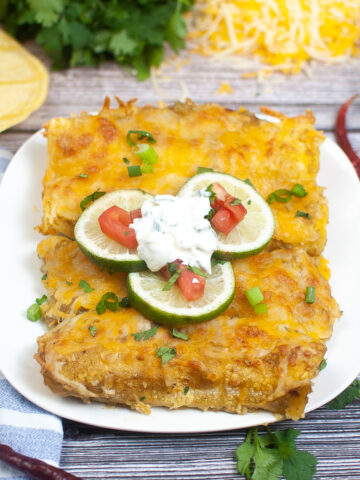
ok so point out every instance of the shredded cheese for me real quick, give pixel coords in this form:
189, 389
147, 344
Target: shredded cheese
281, 33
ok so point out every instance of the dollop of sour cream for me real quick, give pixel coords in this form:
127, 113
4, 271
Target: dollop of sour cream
175, 228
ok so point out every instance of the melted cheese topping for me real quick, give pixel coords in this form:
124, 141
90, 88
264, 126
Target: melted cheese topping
282, 33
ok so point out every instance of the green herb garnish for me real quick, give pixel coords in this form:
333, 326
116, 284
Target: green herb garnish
41, 300
282, 195
249, 202
90, 198
33, 313
44, 277
68, 283
175, 333
322, 365
269, 456
298, 191
172, 268
211, 213
212, 195
249, 182
165, 353
310, 295
142, 398
83, 175
134, 171
146, 334
197, 271
172, 280
92, 330
109, 301
351, 393
140, 135
299, 213
125, 302
237, 201
85, 286
186, 389
125, 160
148, 157
204, 169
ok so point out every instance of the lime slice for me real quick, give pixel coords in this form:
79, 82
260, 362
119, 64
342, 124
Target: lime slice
98, 246
170, 307
254, 232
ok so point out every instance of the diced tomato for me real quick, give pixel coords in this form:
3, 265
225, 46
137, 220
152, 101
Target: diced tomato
135, 214
220, 192
238, 211
111, 225
224, 221
192, 286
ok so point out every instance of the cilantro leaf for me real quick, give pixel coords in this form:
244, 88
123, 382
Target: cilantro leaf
322, 365
351, 393
146, 334
121, 43
299, 466
165, 353
175, 333
85, 286
46, 11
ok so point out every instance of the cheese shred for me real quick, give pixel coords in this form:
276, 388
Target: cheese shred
284, 34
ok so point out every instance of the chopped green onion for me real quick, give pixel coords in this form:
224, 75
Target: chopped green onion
146, 334
44, 277
33, 313
142, 398
175, 333
298, 191
92, 330
322, 365
260, 309
148, 156
237, 201
85, 286
125, 302
310, 295
204, 169
109, 301
90, 198
141, 134
41, 300
282, 195
125, 160
83, 175
254, 295
197, 271
211, 213
134, 171
299, 213
172, 280
165, 353
186, 389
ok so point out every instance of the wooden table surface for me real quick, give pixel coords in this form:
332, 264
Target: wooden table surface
332, 435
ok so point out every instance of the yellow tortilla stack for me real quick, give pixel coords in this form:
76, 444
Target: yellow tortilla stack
23, 82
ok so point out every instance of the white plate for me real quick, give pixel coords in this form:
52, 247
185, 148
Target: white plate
20, 211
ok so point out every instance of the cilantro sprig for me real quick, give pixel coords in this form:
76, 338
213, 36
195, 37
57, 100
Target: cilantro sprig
87, 32
349, 395
270, 456
145, 335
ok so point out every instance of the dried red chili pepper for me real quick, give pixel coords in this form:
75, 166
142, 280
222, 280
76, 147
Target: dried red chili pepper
341, 135
31, 466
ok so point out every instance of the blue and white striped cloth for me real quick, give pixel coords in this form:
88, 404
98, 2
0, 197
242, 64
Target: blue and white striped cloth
23, 426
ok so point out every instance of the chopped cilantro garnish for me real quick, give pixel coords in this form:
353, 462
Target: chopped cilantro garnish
140, 135
177, 334
249, 202
165, 353
90, 198
322, 365
186, 389
125, 160
41, 300
212, 195
211, 213
33, 313
92, 330
83, 175
351, 393
134, 171
299, 213
249, 182
237, 201
125, 302
272, 455
68, 282
146, 334
85, 286
142, 398
172, 268
172, 280
109, 301
44, 277
204, 169
197, 271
